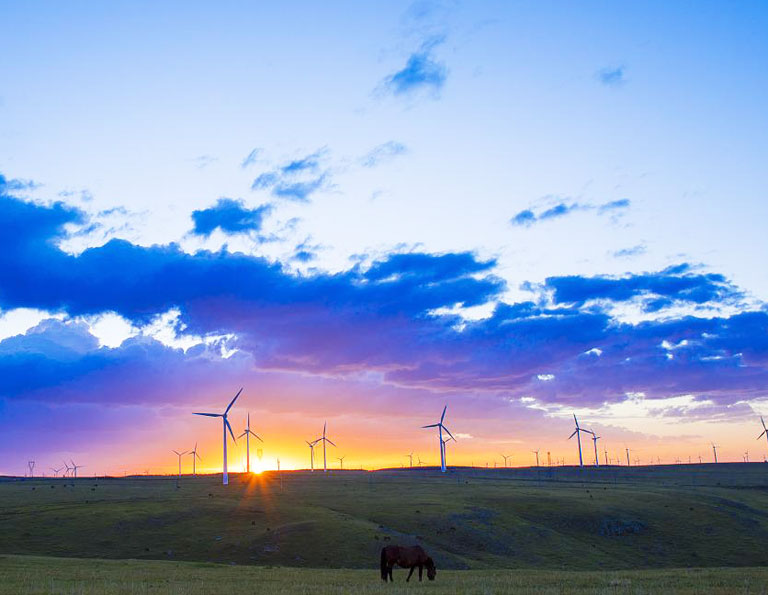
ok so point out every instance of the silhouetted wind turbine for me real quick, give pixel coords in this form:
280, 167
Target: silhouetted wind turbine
180, 454
714, 451
312, 454
68, 469
325, 439
225, 427
56, 471
577, 432
440, 427
194, 456
410, 458
506, 458
341, 461
75, 468
765, 430
248, 433
536, 452
595, 438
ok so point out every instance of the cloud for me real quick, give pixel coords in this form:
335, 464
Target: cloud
380, 322
421, 72
674, 284
629, 252
383, 153
612, 77
528, 217
297, 179
16, 185
230, 216
252, 157
203, 161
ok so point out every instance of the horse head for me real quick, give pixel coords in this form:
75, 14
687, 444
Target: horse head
431, 570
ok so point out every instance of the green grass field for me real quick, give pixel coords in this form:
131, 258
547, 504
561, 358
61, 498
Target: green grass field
486, 530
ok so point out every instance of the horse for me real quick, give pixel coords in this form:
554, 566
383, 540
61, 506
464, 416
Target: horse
406, 557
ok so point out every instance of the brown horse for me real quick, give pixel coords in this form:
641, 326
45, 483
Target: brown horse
406, 557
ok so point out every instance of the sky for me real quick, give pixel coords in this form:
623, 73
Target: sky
363, 212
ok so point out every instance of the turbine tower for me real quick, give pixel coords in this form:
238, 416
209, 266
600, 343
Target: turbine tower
714, 451
536, 452
445, 457
440, 427
225, 427
341, 461
410, 458
248, 433
325, 439
577, 432
194, 456
506, 458
68, 469
179, 454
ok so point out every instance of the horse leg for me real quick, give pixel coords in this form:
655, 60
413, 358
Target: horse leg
420, 569
410, 573
391, 566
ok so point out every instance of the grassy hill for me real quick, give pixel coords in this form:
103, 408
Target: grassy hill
607, 519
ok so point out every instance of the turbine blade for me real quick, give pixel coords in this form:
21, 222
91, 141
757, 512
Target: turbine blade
430, 426
226, 423
256, 436
447, 430
243, 434
209, 414
442, 417
574, 433
329, 442
233, 401
761, 435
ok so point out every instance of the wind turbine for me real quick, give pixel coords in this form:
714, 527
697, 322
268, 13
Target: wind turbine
341, 461
445, 458
312, 453
248, 433
194, 456
507, 457
595, 438
410, 458
56, 471
765, 429
68, 469
714, 451
628, 464
536, 452
325, 439
179, 454
577, 432
75, 468
225, 427
606, 456
440, 427
420, 463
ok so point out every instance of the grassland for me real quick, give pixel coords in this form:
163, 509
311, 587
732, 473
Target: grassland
499, 527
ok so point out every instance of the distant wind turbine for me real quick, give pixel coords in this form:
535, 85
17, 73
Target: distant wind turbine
68, 469
410, 459
248, 433
507, 457
577, 432
440, 427
595, 438
606, 456
312, 453
324, 439
418, 458
341, 461
225, 427
179, 454
194, 457
714, 451
536, 452
628, 464
56, 471
75, 468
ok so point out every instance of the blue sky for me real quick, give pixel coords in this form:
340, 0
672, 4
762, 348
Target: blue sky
506, 165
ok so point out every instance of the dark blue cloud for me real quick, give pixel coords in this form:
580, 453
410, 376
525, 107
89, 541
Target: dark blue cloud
230, 216
612, 77
662, 289
16, 185
528, 217
420, 72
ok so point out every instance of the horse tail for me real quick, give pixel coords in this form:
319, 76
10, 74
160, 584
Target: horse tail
384, 564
